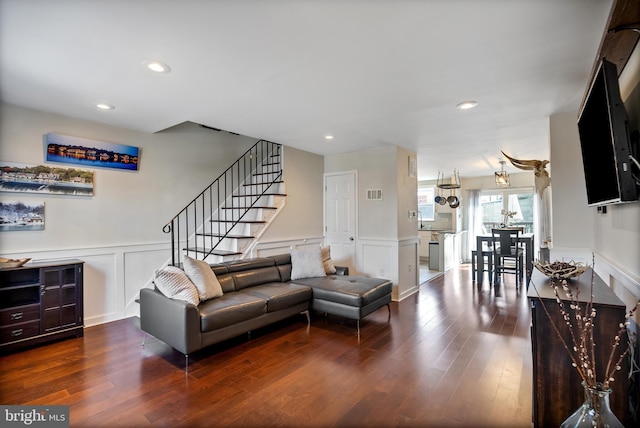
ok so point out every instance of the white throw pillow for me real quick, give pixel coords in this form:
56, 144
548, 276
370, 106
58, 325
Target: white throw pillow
200, 273
306, 263
174, 283
329, 267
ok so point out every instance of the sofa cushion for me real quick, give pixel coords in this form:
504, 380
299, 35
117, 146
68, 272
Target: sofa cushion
200, 273
246, 264
257, 276
224, 277
281, 295
306, 263
230, 308
329, 267
349, 290
175, 284
283, 264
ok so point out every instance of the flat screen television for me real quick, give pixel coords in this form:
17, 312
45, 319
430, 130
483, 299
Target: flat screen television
604, 140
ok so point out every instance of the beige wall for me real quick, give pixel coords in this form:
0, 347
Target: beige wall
127, 207
377, 169
573, 220
387, 242
580, 231
117, 232
302, 214
407, 195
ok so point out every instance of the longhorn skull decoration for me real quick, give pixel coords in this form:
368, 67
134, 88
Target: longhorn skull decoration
542, 179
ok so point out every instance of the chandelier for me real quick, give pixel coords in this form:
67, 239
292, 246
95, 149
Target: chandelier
502, 176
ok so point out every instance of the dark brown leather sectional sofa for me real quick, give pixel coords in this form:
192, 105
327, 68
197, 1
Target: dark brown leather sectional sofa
257, 292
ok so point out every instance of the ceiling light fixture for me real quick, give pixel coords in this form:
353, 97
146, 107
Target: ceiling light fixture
328, 137
157, 66
103, 106
502, 176
466, 105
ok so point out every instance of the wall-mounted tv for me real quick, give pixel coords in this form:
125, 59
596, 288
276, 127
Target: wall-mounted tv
604, 140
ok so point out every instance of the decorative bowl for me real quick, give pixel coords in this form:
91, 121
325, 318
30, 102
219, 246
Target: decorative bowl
12, 263
561, 270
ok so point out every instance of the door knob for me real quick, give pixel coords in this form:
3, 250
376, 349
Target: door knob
351, 238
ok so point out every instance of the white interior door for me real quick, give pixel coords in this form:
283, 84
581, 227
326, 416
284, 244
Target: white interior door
340, 217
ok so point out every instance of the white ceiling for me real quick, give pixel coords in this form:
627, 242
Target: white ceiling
371, 73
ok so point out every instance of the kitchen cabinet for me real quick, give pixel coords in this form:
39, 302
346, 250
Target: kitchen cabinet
448, 251
425, 238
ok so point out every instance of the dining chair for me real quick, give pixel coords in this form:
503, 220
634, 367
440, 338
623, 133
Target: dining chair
508, 255
486, 252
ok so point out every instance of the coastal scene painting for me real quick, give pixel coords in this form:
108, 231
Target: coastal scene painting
91, 153
21, 216
17, 177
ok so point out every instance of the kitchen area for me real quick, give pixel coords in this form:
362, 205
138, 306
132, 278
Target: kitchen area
440, 247
440, 240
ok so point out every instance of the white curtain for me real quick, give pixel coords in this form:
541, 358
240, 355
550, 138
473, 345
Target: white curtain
474, 221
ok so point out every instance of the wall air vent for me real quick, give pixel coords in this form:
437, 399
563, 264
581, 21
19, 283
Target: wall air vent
374, 194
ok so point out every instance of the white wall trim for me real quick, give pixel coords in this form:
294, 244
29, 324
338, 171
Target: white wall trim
412, 273
614, 275
270, 248
113, 276
608, 270
381, 258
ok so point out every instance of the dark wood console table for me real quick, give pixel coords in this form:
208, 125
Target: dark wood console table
557, 391
40, 302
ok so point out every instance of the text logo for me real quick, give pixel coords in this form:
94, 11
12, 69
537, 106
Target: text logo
35, 416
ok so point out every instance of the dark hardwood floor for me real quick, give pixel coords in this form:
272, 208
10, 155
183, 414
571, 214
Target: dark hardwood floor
451, 355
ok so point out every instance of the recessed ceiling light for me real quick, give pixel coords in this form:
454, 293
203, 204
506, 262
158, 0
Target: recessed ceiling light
466, 105
103, 106
328, 137
157, 66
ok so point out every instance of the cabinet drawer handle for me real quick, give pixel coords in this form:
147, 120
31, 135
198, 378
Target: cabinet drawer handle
15, 333
16, 316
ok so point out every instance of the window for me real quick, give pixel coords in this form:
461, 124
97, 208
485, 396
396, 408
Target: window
507, 208
426, 205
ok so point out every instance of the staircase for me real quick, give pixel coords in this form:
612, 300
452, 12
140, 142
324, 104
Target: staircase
225, 220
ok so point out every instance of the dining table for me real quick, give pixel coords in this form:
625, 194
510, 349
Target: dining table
525, 238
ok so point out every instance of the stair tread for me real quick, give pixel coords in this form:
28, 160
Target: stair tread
247, 208
265, 173
220, 235
213, 252
238, 221
262, 194
263, 183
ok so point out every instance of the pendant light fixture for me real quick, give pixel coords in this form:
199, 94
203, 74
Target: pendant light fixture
502, 176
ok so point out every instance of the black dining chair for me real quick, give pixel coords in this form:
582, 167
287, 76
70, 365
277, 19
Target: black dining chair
508, 254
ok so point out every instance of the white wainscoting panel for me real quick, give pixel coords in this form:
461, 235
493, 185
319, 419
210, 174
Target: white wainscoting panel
138, 273
112, 276
273, 248
626, 287
378, 258
408, 268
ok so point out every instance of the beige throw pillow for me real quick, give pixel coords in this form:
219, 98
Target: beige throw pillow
174, 283
329, 267
200, 273
306, 263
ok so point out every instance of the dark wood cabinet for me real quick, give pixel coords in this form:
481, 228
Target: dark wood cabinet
557, 390
40, 302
